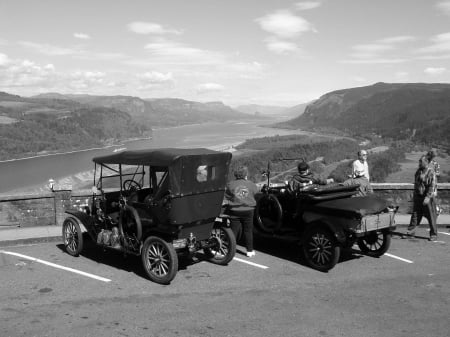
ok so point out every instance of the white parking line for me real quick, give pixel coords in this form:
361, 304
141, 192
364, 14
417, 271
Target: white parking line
99, 278
444, 233
251, 263
398, 258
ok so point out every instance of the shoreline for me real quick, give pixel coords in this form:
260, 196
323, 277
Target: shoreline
77, 151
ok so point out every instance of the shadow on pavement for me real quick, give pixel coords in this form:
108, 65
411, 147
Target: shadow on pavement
291, 251
126, 262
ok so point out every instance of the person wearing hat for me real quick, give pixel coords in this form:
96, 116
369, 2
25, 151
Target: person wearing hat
305, 177
240, 204
359, 179
361, 165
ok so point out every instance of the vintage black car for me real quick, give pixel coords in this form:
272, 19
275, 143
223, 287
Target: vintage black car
157, 203
324, 219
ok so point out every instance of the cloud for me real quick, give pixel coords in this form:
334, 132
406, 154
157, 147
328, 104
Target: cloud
380, 51
440, 44
306, 5
81, 36
47, 49
444, 7
397, 39
82, 80
209, 87
284, 24
156, 77
153, 79
145, 28
4, 59
24, 73
172, 52
281, 47
434, 71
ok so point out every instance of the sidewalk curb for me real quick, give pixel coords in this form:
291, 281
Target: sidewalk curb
29, 241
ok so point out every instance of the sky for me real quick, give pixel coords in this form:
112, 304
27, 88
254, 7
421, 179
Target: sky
268, 52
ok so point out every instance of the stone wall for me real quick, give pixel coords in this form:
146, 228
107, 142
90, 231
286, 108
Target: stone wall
401, 195
48, 208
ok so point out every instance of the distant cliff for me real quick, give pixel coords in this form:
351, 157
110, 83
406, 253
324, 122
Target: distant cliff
160, 112
415, 111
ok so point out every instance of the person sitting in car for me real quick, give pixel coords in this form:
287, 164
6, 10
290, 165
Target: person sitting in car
305, 177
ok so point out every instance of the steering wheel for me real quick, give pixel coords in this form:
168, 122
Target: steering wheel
131, 185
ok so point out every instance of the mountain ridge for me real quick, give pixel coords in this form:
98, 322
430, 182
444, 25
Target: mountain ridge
395, 110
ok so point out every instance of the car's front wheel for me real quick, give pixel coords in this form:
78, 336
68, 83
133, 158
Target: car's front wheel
375, 243
320, 249
72, 237
223, 246
159, 259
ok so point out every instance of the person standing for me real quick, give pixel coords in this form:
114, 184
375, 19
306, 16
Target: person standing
361, 165
423, 199
240, 204
431, 156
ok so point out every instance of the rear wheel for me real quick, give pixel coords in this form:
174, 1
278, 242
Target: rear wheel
268, 214
159, 259
224, 246
375, 243
72, 237
320, 249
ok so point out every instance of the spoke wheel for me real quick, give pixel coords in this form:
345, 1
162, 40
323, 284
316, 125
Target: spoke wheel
224, 247
320, 249
268, 214
375, 243
160, 260
72, 237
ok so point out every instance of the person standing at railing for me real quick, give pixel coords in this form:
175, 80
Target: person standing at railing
361, 165
240, 205
423, 199
431, 155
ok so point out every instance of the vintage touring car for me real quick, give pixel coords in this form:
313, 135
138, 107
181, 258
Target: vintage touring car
323, 220
157, 204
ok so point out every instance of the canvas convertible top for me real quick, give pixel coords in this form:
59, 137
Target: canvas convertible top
182, 166
157, 157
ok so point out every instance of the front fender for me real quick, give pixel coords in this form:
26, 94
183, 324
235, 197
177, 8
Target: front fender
84, 220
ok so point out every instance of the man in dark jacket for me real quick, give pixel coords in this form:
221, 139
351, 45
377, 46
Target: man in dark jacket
423, 199
305, 177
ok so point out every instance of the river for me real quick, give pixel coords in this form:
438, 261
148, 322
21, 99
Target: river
32, 174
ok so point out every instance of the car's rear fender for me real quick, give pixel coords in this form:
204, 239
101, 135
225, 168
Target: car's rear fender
333, 227
84, 220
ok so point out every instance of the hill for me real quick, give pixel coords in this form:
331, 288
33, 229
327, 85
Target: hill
32, 126
414, 111
272, 111
160, 112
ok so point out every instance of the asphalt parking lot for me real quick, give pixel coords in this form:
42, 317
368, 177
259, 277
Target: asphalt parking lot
46, 292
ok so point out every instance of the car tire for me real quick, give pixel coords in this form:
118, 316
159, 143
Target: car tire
72, 237
320, 249
268, 214
225, 246
159, 259
375, 244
